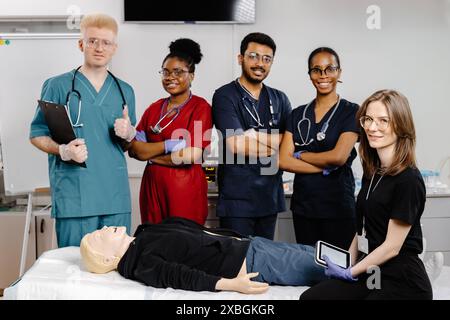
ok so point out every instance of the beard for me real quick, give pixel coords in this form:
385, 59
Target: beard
249, 77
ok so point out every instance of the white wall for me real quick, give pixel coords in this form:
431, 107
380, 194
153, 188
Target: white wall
58, 7
410, 53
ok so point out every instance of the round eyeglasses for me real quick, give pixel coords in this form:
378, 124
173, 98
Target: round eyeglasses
255, 57
177, 73
329, 71
382, 123
94, 43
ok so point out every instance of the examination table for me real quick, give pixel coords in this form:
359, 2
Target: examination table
59, 274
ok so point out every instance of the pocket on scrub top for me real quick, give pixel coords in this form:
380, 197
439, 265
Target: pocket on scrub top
110, 113
67, 190
67, 180
236, 187
182, 172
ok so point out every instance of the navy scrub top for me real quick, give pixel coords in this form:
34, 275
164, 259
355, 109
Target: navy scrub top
243, 191
102, 187
316, 195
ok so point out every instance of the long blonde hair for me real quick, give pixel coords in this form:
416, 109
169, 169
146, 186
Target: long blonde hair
402, 124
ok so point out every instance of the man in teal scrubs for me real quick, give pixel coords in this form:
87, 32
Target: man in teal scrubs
85, 199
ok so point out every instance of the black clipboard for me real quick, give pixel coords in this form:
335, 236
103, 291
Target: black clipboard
58, 123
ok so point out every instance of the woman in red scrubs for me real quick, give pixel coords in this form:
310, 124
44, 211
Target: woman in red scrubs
174, 184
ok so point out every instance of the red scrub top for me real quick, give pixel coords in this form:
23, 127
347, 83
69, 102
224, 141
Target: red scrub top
179, 191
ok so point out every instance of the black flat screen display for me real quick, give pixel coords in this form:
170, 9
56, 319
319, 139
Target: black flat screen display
216, 11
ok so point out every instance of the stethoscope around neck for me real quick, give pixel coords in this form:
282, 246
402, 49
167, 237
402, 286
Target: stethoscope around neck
157, 129
75, 92
321, 135
255, 116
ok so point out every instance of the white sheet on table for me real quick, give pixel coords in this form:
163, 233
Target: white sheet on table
59, 274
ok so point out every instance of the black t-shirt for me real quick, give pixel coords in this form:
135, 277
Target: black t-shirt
401, 197
316, 195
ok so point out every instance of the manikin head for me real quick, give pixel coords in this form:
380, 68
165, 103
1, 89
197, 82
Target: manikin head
98, 40
102, 249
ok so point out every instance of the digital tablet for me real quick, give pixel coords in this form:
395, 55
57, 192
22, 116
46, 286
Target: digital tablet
337, 255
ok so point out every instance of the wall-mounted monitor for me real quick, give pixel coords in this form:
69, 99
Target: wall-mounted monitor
190, 11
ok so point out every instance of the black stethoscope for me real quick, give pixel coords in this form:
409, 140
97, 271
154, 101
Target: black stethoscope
272, 122
77, 93
321, 134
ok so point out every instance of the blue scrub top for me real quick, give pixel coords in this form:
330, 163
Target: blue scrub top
316, 195
243, 191
102, 187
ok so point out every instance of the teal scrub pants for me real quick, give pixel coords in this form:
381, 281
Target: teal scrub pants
70, 231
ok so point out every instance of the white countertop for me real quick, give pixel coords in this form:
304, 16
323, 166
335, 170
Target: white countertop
288, 194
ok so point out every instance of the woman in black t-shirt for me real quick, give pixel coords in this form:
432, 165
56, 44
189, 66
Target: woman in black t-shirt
389, 207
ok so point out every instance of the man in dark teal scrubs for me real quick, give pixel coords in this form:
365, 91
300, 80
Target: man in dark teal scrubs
85, 199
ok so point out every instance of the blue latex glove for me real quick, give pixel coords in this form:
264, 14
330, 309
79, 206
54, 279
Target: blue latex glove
298, 154
335, 271
172, 145
141, 136
328, 170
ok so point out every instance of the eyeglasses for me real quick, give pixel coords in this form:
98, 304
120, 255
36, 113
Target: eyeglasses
94, 43
254, 56
382, 123
329, 71
177, 73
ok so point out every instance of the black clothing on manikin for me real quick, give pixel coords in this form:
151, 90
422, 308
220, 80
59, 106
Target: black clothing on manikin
182, 254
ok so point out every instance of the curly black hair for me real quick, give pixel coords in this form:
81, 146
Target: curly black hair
186, 50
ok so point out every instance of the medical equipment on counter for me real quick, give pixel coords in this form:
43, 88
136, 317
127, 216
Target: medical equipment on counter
433, 183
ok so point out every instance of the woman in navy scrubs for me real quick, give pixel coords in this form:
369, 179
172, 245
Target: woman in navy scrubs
318, 147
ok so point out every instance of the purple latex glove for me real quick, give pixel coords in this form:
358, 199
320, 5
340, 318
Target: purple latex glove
141, 136
335, 271
328, 170
172, 145
298, 154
